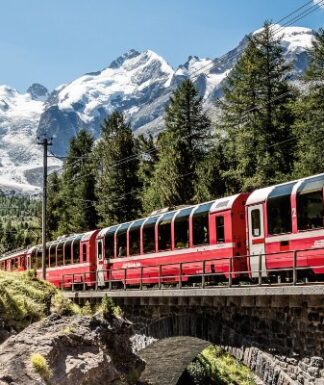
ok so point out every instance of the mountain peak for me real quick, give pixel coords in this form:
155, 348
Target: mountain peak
38, 92
121, 59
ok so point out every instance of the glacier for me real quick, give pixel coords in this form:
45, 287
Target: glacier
137, 83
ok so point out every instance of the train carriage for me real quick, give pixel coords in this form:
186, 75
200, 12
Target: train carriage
168, 244
286, 228
69, 260
14, 261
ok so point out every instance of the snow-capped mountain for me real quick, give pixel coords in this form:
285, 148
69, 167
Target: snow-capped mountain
137, 83
20, 156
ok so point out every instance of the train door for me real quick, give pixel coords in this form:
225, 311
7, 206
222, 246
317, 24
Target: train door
100, 263
256, 239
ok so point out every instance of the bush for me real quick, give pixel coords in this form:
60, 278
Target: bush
64, 306
108, 306
41, 366
86, 309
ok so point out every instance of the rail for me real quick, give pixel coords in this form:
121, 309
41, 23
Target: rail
233, 271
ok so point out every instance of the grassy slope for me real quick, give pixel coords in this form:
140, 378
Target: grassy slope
226, 368
216, 367
23, 299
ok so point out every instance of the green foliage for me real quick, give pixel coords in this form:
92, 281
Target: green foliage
64, 306
41, 366
216, 367
86, 309
256, 116
23, 299
108, 306
55, 204
19, 225
77, 213
118, 181
181, 147
309, 111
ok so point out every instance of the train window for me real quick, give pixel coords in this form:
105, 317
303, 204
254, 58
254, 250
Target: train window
164, 232
310, 210
76, 250
121, 238
181, 228
279, 209
59, 254
256, 222
220, 229
39, 258
149, 235
47, 255
34, 258
200, 224
109, 242
84, 252
52, 255
135, 238
99, 248
14, 264
67, 252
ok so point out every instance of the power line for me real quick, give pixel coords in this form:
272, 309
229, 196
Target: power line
244, 113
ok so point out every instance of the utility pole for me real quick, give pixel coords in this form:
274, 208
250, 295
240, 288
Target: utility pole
45, 143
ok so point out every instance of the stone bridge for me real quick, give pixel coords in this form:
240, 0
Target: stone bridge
277, 331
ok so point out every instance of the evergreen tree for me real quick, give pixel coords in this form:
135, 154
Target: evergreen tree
309, 110
148, 156
210, 181
8, 238
181, 149
118, 181
78, 213
256, 115
54, 204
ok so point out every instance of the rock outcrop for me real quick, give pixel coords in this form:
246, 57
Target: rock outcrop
78, 350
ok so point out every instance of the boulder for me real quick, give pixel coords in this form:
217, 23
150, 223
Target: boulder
77, 350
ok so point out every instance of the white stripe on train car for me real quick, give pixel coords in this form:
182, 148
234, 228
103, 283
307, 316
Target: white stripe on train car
64, 267
162, 254
290, 237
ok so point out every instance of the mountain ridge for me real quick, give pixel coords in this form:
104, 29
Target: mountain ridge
137, 83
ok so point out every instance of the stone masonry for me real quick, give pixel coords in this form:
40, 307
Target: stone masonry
281, 338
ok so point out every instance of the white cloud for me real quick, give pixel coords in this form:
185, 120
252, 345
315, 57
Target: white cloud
319, 2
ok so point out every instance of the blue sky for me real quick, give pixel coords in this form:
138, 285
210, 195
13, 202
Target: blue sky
54, 41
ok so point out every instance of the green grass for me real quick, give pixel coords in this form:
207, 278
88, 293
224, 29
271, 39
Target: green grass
40, 364
24, 299
220, 367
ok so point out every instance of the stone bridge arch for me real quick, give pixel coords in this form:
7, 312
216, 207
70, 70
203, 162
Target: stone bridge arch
280, 338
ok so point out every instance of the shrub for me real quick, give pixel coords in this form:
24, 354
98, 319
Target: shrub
41, 366
64, 306
108, 306
86, 309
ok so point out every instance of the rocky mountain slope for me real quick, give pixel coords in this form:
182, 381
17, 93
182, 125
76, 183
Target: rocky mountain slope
138, 83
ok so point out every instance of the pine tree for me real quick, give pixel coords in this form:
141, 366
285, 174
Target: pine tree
118, 181
8, 238
256, 115
78, 213
181, 149
210, 180
55, 204
309, 110
148, 157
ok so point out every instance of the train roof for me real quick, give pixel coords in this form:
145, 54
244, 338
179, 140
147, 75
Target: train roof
261, 195
14, 253
213, 206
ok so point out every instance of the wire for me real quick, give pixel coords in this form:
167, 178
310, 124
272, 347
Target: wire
244, 113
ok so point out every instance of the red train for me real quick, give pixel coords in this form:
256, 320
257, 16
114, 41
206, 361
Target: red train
269, 232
